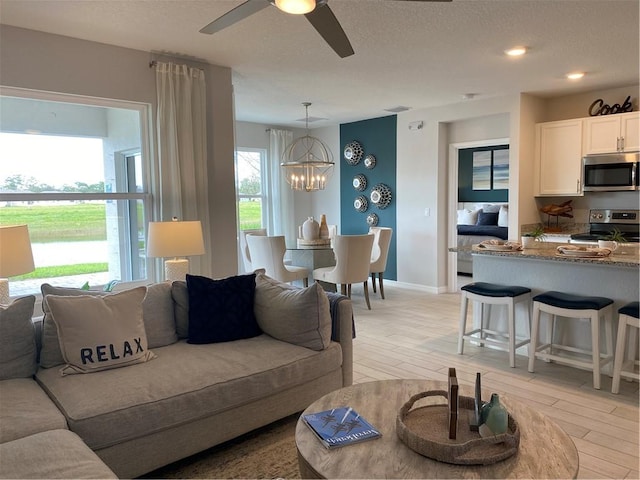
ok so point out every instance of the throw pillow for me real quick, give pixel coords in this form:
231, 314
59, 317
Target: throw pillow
17, 339
157, 313
100, 332
467, 217
296, 315
486, 218
50, 354
489, 207
503, 216
158, 316
221, 310
180, 297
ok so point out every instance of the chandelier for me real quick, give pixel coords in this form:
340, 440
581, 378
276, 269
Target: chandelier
307, 162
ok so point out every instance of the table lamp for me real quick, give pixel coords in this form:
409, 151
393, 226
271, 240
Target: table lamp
16, 257
175, 239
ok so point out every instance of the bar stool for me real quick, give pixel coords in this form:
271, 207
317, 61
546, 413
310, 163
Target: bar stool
628, 316
572, 306
492, 294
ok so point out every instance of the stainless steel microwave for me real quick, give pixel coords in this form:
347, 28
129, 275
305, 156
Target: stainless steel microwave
611, 172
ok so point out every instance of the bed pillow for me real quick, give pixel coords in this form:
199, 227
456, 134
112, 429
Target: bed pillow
100, 332
300, 316
221, 310
467, 217
503, 216
17, 339
487, 218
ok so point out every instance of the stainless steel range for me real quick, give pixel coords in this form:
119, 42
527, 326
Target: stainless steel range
603, 222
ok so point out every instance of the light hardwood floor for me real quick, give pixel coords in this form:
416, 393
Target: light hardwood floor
413, 334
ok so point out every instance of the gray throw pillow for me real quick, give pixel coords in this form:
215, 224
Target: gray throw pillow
180, 296
100, 332
158, 316
300, 316
17, 339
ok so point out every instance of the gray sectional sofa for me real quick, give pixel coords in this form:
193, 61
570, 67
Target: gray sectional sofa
183, 397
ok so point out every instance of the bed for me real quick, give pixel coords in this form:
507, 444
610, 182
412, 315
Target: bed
478, 222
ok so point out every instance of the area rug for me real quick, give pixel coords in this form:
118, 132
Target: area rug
268, 452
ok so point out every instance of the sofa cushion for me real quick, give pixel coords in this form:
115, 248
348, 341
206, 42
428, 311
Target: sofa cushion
180, 296
99, 333
183, 384
17, 339
52, 454
296, 315
221, 310
26, 409
157, 312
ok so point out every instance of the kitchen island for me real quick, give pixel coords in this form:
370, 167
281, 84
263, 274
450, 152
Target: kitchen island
541, 268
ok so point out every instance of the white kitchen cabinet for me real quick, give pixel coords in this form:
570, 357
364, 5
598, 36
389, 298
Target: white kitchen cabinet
559, 158
612, 133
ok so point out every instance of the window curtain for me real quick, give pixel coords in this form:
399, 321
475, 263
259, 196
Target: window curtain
182, 152
281, 219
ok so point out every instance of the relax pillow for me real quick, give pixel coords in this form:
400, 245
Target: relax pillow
100, 332
295, 315
486, 218
221, 310
17, 339
157, 313
467, 217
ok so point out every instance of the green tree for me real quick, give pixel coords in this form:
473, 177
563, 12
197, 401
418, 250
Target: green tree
250, 185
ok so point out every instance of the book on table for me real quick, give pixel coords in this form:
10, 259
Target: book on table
340, 426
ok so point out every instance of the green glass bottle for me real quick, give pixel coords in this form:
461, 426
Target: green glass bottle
497, 418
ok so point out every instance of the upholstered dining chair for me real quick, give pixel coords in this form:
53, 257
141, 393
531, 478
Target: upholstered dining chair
244, 248
379, 255
268, 253
353, 257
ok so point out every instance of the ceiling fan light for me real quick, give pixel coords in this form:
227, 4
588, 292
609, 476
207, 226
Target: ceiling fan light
296, 7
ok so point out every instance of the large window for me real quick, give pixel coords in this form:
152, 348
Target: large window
75, 171
250, 165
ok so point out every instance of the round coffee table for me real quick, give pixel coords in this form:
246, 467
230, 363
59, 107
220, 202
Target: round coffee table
546, 451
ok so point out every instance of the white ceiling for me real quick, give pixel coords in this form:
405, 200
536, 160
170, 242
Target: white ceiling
414, 54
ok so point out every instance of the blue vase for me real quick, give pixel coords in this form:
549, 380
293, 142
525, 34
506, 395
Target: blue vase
495, 416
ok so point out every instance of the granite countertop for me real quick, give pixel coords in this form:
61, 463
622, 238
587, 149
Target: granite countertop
627, 256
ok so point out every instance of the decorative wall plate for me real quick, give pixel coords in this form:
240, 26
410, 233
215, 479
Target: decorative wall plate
353, 153
381, 195
361, 203
372, 219
369, 161
360, 182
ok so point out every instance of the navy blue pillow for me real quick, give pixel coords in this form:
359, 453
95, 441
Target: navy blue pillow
487, 218
221, 310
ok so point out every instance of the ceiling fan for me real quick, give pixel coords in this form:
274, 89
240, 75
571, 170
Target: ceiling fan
317, 12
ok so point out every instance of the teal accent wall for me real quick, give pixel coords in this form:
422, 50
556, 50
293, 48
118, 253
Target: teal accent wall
377, 137
465, 178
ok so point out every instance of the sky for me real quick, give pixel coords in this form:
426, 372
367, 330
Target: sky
51, 159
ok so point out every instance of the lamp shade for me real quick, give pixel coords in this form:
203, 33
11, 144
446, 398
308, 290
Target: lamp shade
16, 257
175, 239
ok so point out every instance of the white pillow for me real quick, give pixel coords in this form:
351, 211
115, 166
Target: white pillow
503, 216
98, 333
467, 217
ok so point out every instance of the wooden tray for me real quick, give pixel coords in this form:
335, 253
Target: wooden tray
425, 430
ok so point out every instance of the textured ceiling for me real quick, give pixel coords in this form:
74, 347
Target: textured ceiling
414, 54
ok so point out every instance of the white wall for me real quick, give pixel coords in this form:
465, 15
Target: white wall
54, 63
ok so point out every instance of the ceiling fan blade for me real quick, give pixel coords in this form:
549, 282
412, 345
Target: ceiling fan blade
241, 12
327, 25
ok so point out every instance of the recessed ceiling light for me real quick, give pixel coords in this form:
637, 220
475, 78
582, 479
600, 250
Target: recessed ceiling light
516, 51
575, 75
